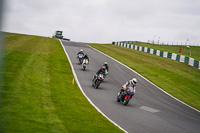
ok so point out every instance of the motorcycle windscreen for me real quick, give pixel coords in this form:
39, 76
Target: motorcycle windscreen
101, 76
130, 91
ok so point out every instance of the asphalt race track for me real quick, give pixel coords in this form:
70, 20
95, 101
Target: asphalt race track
149, 111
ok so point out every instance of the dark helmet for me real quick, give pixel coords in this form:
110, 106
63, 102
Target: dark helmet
103, 68
86, 55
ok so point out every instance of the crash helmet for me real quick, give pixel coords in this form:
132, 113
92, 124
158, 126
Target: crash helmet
103, 68
86, 55
81, 50
105, 63
134, 81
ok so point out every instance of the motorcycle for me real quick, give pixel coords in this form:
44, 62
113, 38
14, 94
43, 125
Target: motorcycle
80, 58
125, 96
97, 80
85, 63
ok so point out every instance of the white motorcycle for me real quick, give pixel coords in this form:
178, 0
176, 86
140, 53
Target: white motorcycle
85, 63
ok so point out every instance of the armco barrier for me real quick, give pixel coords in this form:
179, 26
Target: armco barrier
181, 58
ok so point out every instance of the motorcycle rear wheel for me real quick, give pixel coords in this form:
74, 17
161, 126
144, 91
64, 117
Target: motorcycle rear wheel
118, 98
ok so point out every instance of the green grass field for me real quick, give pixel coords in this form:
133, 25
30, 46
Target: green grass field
178, 79
37, 94
194, 50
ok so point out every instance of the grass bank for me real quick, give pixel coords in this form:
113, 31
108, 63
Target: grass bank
37, 94
178, 79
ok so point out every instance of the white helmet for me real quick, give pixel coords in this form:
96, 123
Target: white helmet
81, 50
134, 81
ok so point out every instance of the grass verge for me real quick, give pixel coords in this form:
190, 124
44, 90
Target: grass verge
178, 79
37, 94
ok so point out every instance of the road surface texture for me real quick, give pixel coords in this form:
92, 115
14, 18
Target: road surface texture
149, 111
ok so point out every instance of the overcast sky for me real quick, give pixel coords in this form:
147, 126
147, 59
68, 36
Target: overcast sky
104, 21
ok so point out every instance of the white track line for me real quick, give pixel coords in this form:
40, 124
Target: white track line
77, 81
146, 80
152, 110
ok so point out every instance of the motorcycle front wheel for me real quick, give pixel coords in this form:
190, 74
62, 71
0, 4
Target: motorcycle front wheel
125, 102
98, 82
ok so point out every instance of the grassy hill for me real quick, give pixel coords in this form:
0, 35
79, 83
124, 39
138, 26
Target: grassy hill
178, 79
37, 95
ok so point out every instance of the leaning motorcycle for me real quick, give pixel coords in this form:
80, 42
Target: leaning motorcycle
97, 80
85, 63
80, 58
125, 96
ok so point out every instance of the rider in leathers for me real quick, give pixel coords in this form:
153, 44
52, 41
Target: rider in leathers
86, 57
101, 70
80, 52
106, 65
130, 83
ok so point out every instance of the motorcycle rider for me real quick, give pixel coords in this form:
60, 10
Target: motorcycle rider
86, 57
101, 70
107, 68
80, 53
130, 83
106, 65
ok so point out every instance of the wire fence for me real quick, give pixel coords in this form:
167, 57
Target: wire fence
187, 43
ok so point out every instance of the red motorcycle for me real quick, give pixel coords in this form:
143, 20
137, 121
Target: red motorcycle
125, 96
